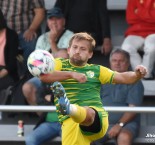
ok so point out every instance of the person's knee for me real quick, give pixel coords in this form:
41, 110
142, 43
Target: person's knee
28, 89
150, 49
30, 140
129, 48
89, 117
124, 136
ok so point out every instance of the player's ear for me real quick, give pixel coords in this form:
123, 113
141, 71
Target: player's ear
90, 55
68, 49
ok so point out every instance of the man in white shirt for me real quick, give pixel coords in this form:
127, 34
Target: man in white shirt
56, 40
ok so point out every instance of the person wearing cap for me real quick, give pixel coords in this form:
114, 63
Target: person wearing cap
57, 38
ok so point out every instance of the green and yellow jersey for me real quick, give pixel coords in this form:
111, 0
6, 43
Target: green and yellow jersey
88, 93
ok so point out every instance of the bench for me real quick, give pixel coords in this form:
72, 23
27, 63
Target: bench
111, 4
8, 133
119, 5
149, 89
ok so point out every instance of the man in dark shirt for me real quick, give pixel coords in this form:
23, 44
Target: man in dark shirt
88, 16
123, 126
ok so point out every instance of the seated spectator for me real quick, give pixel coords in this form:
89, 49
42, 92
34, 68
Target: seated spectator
57, 39
124, 126
88, 16
25, 17
140, 35
8, 56
48, 126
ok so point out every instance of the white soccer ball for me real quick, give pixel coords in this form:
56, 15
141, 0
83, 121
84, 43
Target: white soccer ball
40, 62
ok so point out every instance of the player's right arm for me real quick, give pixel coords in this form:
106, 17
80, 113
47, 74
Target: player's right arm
63, 75
59, 75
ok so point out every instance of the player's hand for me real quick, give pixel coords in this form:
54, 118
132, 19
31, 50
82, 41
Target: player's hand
141, 71
80, 77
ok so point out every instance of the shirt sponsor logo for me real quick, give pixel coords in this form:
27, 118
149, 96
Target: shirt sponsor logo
90, 74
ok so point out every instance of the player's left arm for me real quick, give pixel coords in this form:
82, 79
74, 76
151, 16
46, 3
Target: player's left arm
130, 77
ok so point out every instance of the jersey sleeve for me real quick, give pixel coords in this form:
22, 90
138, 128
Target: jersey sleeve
106, 75
58, 64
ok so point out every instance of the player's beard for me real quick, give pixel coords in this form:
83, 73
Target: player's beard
76, 60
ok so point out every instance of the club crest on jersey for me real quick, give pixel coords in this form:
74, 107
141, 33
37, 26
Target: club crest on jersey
90, 74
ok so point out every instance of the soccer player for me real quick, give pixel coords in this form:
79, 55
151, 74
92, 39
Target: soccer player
77, 97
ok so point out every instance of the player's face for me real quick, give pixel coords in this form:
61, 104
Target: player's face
119, 63
79, 52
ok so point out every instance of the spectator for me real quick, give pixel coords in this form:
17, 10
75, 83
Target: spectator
56, 40
8, 54
88, 16
48, 126
25, 17
123, 127
140, 15
8, 60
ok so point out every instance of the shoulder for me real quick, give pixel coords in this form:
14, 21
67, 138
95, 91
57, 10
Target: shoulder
44, 35
64, 39
106, 75
103, 69
68, 34
61, 63
43, 38
43, 42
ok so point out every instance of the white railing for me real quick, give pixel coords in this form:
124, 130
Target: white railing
22, 108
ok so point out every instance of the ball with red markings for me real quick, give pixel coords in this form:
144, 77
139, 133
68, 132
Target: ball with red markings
40, 62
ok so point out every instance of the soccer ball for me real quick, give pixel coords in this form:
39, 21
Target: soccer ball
40, 62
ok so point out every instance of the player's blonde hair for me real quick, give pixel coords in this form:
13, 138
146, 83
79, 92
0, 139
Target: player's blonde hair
84, 36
